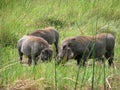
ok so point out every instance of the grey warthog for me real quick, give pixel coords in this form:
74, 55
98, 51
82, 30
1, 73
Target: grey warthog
49, 34
84, 47
32, 46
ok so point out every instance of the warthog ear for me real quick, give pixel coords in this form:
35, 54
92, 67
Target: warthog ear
64, 46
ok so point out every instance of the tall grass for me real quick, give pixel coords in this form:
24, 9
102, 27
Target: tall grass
70, 18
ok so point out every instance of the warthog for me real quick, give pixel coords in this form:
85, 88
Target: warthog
83, 47
32, 46
49, 34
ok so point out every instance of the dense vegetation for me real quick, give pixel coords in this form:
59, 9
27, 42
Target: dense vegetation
70, 18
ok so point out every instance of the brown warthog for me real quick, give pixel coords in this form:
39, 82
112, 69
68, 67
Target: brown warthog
83, 47
49, 34
32, 46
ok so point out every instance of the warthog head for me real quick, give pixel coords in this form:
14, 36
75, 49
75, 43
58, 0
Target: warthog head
46, 54
65, 53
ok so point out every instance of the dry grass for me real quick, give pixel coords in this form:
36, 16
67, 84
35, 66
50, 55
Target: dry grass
28, 84
113, 82
24, 85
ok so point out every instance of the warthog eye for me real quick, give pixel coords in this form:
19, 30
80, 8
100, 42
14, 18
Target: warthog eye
70, 45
